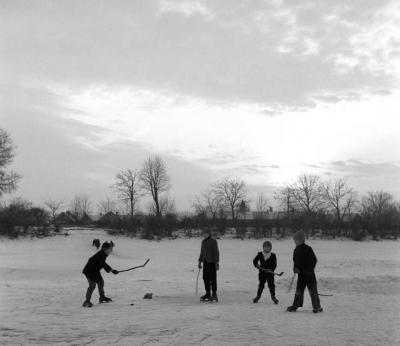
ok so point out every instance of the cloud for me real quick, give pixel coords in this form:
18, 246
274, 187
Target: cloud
186, 8
59, 157
284, 55
367, 175
338, 164
216, 87
255, 169
362, 168
312, 166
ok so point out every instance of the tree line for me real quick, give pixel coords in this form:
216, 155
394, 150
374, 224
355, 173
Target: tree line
325, 208
328, 208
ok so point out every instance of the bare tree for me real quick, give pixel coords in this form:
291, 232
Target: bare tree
339, 197
167, 206
155, 180
243, 208
376, 203
284, 197
128, 187
107, 205
376, 207
208, 203
80, 206
307, 193
231, 191
8, 179
54, 206
262, 206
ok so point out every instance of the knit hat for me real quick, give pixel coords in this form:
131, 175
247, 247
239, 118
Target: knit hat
106, 246
267, 243
300, 236
207, 230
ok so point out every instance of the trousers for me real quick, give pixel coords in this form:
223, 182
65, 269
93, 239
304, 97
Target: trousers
306, 280
263, 278
92, 286
210, 277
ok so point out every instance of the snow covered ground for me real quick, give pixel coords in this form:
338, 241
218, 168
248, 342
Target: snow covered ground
42, 289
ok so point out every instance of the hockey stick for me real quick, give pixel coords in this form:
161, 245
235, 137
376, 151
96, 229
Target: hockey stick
126, 270
198, 274
271, 272
197, 282
291, 282
320, 294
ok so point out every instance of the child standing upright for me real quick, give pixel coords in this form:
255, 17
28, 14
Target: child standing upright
265, 262
209, 257
304, 262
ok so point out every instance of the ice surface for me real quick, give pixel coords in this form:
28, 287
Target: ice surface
42, 290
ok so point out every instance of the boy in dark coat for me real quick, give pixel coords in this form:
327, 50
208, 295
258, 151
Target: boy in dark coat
265, 261
92, 273
304, 261
209, 257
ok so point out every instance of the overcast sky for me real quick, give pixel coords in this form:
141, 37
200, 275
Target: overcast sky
261, 90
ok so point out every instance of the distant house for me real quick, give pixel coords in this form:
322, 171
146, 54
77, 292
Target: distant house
85, 220
65, 218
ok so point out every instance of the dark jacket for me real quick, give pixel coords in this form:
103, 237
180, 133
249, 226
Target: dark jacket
209, 251
95, 264
304, 259
269, 264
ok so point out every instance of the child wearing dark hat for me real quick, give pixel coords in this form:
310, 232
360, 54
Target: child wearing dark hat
304, 262
92, 273
209, 260
265, 262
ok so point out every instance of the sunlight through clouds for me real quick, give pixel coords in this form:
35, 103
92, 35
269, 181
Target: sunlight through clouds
262, 90
226, 137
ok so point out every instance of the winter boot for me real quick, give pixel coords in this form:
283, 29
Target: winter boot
214, 297
276, 301
206, 297
87, 304
104, 299
259, 293
291, 308
315, 311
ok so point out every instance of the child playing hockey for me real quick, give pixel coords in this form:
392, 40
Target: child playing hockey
265, 261
209, 256
96, 242
304, 263
92, 273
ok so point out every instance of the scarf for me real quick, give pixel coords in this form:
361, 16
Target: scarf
266, 255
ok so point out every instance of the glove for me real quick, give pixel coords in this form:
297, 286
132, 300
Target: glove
257, 267
115, 272
199, 266
216, 266
296, 270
